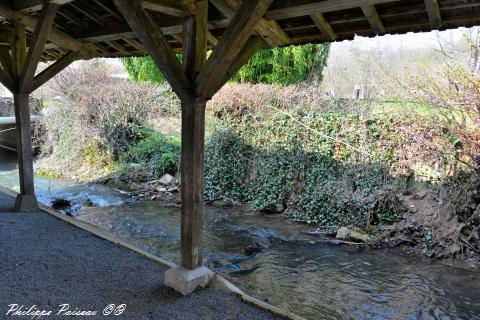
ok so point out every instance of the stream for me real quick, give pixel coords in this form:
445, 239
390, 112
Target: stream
297, 273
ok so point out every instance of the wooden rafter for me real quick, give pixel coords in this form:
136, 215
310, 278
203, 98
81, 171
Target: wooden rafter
240, 29
152, 38
134, 43
270, 31
6, 60
323, 25
373, 18
170, 7
434, 13
58, 37
7, 80
53, 70
319, 7
115, 45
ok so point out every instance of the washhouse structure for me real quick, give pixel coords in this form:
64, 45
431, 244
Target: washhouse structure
62, 31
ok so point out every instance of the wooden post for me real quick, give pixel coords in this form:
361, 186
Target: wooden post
26, 200
193, 140
18, 75
195, 82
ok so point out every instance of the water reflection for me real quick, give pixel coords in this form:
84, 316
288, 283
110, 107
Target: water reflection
313, 280
48, 190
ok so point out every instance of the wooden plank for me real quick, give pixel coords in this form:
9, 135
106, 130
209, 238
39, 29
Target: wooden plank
319, 7
45, 23
434, 14
53, 70
270, 31
323, 25
151, 36
373, 18
238, 32
58, 37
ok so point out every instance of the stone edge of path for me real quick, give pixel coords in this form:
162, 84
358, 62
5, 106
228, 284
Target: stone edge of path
218, 281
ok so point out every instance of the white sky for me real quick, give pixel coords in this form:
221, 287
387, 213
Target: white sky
409, 40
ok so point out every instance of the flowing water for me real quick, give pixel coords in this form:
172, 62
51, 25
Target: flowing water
308, 277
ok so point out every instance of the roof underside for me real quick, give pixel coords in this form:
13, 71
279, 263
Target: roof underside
99, 23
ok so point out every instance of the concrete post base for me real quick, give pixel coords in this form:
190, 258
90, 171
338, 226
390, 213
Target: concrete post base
25, 203
186, 281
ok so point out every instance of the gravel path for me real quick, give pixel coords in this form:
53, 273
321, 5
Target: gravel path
46, 262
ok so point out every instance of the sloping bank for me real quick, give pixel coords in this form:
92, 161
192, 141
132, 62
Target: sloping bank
395, 175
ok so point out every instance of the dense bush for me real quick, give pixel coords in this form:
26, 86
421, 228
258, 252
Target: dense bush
322, 161
158, 152
274, 165
96, 119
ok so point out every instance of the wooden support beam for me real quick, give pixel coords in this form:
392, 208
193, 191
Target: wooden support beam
434, 14
19, 53
37, 44
24, 143
318, 7
193, 139
253, 45
211, 39
193, 146
58, 37
53, 70
7, 80
152, 38
6, 60
373, 18
270, 31
238, 32
26, 200
201, 38
323, 25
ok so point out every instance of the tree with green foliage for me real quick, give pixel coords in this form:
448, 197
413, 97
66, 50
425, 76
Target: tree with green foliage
285, 66
143, 69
